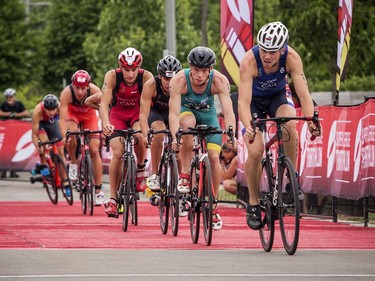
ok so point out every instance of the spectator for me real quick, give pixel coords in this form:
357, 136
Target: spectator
12, 108
228, 160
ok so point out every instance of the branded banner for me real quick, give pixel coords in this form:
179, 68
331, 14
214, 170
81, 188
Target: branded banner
236, 24
341, 162
345, 13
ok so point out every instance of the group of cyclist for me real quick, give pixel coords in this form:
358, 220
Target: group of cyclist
131, 97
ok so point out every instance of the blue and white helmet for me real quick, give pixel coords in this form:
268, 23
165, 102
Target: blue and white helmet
273, 36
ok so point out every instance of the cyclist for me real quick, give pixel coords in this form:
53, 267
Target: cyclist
263, 72
154, 111
45, 127
192, 102
122, 91
72, 112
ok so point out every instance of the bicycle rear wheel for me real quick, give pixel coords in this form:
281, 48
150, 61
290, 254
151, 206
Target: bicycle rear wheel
289, 206
207, 200
174, 194
164, 172
89, 185
267, 232
49, 183
194, 211
63, 172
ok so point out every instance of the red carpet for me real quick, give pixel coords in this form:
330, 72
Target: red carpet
43, 225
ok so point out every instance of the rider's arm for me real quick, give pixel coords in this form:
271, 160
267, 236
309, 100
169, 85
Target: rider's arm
222, 87
149, 91
295, 68
177, 87
248, 70
36, 117
93, 101
106, 98
65, 99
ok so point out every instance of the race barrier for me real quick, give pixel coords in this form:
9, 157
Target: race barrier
340, 163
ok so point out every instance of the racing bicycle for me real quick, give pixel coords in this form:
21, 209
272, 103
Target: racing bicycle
85, 184
279, 186
54, 175
168, 173
201, 197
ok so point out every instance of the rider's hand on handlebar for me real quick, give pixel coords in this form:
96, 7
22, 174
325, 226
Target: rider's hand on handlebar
250, 133
314, 130
108, 129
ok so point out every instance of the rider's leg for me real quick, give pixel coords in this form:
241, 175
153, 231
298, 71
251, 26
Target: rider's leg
157, 146
96, 161
115, 165
71, 145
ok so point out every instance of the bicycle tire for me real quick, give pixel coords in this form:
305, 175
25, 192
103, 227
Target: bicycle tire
61, 168
194, 210
164, 171
49, 183
89, 185
125, 192
266, 185
207, 199
174, 195
289, 206
82, 187
133, 194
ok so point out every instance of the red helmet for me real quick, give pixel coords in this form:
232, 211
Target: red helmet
130, 58
81, 78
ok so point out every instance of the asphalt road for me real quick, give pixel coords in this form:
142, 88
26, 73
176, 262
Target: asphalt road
125, 264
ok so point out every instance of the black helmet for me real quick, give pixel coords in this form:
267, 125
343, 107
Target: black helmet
50, 101
168, 66
202, 57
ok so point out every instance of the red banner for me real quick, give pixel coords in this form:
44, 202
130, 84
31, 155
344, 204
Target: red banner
236, 24
341, 162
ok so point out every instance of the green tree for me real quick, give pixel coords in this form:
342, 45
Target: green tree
69, 22
14, 44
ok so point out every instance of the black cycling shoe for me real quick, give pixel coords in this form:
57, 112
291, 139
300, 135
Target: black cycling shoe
253, 217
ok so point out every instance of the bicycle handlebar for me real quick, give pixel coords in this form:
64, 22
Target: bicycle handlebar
123, 133
152, 132
53, 141
84, 132
256, 122
204, 130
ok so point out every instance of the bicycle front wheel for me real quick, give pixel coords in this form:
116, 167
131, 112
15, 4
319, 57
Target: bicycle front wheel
164, 172
125, 192
207, 198
192, 197
89, 185
289, 206
49, 183
81, 186
65, 184
174, 194
266, 185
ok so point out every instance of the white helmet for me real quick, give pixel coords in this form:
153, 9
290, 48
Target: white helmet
9, 92
272, 36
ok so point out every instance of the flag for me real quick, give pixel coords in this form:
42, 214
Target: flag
345, 13
237, 28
